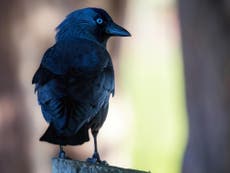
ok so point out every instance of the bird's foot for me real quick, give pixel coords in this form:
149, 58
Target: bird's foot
62, 154
95, 159
104, 162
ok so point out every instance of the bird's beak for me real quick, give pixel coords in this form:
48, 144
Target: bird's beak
115, 30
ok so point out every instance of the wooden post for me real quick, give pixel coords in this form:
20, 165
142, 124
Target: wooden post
75, 166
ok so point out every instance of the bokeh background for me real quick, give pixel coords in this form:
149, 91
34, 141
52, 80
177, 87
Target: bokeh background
149, 121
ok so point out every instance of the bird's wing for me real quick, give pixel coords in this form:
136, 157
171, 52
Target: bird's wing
75, 79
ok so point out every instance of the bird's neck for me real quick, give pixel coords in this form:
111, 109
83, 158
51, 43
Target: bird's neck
72, 35
92, 38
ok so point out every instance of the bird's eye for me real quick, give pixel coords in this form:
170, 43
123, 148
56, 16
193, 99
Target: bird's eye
99, 21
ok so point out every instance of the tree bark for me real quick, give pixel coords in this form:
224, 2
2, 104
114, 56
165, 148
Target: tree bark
205, 27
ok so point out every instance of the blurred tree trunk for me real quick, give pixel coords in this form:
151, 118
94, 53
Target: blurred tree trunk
13, 136
205, 28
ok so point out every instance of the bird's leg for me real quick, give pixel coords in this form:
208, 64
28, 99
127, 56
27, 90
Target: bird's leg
95, 154
61, 153
95, 158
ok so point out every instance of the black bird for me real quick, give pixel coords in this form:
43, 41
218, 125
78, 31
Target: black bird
76, 78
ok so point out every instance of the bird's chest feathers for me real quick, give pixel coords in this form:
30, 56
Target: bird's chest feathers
87, 61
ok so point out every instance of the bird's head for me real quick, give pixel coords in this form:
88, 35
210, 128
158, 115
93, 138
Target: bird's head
90, 23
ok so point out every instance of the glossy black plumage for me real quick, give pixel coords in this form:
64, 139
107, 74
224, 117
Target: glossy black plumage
73, 85
76, 77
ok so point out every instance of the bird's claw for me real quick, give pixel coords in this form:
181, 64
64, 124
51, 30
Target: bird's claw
104, 162
62, 155
95, 159
92, 160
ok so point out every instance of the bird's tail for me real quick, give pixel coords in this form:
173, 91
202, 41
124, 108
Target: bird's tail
53, 137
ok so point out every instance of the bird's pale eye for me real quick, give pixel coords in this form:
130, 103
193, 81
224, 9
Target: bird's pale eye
99, 21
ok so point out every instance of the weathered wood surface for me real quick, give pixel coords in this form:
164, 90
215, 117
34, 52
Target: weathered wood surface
75, 166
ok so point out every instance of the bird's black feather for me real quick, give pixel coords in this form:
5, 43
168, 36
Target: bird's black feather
74, 81
76, 139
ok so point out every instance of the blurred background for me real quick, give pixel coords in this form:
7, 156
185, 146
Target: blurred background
171, 111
